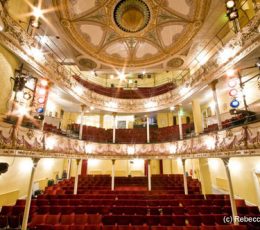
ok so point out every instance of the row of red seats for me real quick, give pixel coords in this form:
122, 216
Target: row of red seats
138, 93
51, 128
136, 135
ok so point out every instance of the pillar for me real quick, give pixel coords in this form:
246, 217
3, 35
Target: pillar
161, 166
83, 107
180, 123
76, 178
29, 195
213, 87
147, 128
113, 175
101, 120
197, 117
231, 193
205, 176
68, 168
149, 175
114, 127
185, 182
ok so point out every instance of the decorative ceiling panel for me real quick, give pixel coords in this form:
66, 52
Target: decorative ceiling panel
107, 31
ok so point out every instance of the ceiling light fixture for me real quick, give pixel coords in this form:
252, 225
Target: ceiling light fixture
37, 12
230, 72
121, 76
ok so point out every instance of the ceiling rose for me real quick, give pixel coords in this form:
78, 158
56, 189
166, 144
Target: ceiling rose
134, 34
131, 15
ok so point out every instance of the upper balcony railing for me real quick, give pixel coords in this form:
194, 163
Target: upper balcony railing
128, 93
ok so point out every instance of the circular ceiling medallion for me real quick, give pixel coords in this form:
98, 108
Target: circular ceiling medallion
87, 64
131, 15
175, 62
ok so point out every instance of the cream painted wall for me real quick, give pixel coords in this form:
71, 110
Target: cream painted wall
122, 167
166, 119
18, 175
68, 118
241, 174
8, 63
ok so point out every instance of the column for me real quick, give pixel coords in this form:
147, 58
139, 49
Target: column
114, 127
197, 117
29, 195
205, 176
76, 178
147, 128
185, 183
113, 175
161, 166
180, 122
231, 193
101, 120
83, 107
149, 175
213, 87
68, 168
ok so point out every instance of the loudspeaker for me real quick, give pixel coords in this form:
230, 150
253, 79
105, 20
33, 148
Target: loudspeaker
3, 167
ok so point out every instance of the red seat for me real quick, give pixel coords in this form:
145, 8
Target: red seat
6, 210
77, 227
194, 220
179, 220
208, 220
61, 227
14, 221
52, 219
3, 221
166, 220
94, 219
80, 219
152, 220
36, 220
67, 219
92, 227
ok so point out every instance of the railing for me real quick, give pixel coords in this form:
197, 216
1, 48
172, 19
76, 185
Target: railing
18, 41
137, 93
239, 141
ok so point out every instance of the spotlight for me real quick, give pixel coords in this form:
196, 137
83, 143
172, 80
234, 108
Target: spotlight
230, 4
233, 82
233, 92
41, 100
232, 11
235, 103
44, 82
42, 91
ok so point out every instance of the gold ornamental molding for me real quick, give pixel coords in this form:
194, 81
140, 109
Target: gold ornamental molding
116, 20
237, 142
18, 41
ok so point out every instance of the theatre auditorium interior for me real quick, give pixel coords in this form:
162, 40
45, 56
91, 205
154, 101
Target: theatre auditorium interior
129, 114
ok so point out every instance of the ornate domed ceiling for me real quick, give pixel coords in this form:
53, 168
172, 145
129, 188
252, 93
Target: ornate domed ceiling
131, 33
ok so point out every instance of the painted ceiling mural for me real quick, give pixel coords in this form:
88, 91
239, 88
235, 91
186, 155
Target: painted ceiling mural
131, 33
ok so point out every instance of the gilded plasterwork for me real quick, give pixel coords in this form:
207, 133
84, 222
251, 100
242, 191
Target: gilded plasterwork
131, 33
